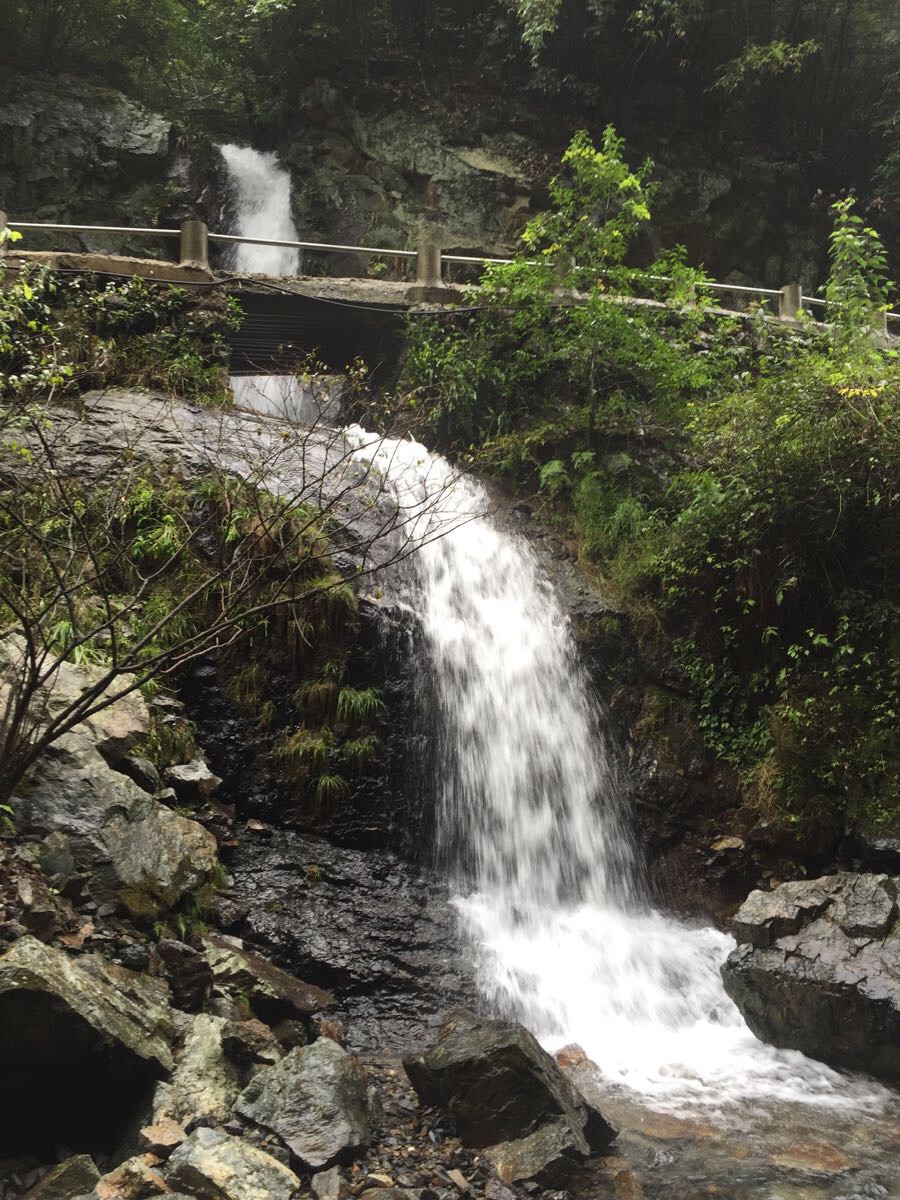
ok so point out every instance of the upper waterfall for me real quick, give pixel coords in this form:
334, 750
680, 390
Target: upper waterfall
262, 210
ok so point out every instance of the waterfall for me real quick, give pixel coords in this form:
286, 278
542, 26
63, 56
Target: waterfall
529, 821
529, 826
262, 201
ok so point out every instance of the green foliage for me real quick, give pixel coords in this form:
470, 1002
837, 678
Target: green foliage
857, 288
595, 362
60, 335
762, 64
539, 19
356, 706
737, 483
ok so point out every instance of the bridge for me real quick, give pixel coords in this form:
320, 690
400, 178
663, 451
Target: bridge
288, 316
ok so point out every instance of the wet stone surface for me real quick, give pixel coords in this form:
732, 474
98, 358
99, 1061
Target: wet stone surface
366, 925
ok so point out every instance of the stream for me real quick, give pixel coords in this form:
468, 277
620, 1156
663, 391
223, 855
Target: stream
534, 855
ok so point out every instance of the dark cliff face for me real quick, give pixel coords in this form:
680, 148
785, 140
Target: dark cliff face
371, 167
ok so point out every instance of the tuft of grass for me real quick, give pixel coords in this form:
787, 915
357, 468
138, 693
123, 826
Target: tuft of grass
356, 706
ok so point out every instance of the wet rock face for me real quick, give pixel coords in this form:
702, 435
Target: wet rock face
391, 970
508, 1095
64, 1022
818, 970
72, 150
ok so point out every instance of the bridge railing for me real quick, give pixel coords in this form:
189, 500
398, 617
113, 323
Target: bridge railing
194, 238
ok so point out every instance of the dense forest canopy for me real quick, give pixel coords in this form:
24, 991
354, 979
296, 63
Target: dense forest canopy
802, 97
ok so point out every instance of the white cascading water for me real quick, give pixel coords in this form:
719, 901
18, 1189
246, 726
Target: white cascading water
262, 205
261, 198
530, 828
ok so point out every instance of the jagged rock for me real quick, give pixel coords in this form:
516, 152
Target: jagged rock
273, 993
248, 1042
315, 1099
193, 781
506, 1093
162, 1137
330, 1185
63, 1021
212, 1165
137, 1178
186, 971
204, 1084
546, 1156
71, 1178
135, 850
818, 969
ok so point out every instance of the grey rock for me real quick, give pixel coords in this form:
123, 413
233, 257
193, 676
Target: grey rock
273, 994
69, 1179
818, 970
205, 1083
70, 150
193, 781
315, 1100
135, 850
547, 1155
120, 1006
502, 1087
212, 1165
142, 772
330, 1185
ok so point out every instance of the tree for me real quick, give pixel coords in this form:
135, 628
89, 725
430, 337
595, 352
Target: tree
121, 558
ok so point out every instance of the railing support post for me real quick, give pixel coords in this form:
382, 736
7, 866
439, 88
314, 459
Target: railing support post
790, 301
3, 220
429, 271
195, 244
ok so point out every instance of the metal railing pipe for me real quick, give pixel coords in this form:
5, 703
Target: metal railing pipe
176, 233
247, 241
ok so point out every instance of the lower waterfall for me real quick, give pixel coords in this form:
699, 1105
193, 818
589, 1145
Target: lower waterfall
529, 827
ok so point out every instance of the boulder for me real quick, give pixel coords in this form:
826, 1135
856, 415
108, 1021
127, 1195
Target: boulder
509, 1097
273, 994
137, 1178
64, 1021
71, 1178
162, 1137
205, 1083
212, 1165
315, 1099
817, 969
134, 849
193, 781
330, 1185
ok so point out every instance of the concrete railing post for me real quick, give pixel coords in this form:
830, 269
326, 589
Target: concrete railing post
195, 244
428, 265
3, 220
790, 301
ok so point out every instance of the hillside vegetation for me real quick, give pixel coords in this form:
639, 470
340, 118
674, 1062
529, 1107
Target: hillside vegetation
735, 481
